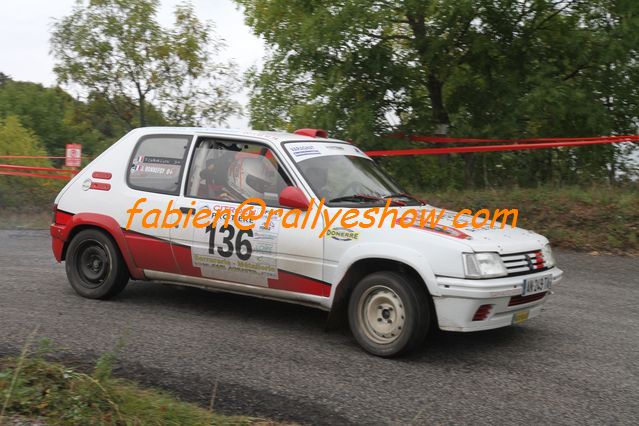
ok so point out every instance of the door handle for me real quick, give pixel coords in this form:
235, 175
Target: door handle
186, 210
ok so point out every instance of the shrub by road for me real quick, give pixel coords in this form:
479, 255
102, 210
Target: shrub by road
599, 218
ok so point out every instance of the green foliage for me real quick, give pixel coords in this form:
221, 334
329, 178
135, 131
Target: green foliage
117, 50
32, 388
16, 140
474, 68
18, 192
4, 78
598, 218
52, 114
60, 396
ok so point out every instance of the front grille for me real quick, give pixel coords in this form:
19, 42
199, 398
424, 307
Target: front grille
524, 263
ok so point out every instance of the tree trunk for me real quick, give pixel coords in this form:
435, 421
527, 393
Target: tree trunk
142, 111
435, 93
141, 104
469, 170
435, 87
612, 171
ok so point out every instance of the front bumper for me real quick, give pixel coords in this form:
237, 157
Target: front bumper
57, 240
460, 299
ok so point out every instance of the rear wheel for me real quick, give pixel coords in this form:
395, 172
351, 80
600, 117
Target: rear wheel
389, 314
94, 265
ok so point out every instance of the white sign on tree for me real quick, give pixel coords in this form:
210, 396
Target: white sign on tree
73, 155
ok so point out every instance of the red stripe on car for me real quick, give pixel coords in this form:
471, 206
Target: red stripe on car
102, 175
150, 252
100, 186
185, 261
299, 284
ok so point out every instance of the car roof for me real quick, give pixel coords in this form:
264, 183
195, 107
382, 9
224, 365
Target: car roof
247, 133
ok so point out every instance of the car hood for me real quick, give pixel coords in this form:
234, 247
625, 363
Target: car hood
508, 239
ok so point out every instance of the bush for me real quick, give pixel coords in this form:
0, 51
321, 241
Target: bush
24, 192
598, 218
33, 389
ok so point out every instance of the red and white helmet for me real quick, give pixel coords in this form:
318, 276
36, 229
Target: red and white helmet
252, 176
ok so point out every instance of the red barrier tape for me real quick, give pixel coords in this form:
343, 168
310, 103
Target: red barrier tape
30, 157
36, 175
38, 169
487, 148
434, 139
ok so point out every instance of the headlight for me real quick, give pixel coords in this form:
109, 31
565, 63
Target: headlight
549, 259
484, 265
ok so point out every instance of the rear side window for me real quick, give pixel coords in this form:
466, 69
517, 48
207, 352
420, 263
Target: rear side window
158, 163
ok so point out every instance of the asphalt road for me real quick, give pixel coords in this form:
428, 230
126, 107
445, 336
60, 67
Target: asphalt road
576, 364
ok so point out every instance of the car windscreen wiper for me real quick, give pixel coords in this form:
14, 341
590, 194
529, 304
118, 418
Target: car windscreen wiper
403, 195
363, 198
355, 198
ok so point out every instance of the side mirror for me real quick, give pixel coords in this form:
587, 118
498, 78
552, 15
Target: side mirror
293, 197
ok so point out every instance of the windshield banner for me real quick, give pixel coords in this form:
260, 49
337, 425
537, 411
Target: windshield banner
301, 151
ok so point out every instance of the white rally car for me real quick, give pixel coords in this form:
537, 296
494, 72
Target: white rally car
393, 283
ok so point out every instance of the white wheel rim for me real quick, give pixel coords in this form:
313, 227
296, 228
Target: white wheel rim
382, 314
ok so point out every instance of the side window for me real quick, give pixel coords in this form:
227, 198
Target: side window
233, 171
157, 164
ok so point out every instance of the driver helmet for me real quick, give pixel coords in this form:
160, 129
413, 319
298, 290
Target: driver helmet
251, 176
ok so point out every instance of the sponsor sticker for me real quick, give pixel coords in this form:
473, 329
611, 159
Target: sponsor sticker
226, 252
342, 234
304, 150
161, 160
145, 165
142, 169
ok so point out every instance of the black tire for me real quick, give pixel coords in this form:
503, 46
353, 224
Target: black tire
94, 265
389, 314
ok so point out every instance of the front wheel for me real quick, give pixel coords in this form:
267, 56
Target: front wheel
389, 314
94, 265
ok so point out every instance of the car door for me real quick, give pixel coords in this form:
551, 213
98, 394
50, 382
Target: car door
222, 175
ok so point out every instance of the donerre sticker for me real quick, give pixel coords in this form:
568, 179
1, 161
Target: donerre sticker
342, 234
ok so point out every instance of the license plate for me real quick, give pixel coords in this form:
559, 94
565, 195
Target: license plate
536, 285
520, 317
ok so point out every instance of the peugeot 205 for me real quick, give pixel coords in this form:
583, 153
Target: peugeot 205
392, 283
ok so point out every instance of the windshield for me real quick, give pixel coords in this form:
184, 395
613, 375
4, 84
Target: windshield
345, 178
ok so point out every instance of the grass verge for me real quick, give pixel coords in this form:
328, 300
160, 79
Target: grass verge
28, 219
601, 219
35, 391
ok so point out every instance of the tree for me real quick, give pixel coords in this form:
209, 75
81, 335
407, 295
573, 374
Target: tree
482, 68
4, 78
52, 114
21, 191
99, 114
117, 50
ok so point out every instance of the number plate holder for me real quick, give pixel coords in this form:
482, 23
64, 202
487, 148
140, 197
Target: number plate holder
536, 285
519, 317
